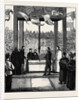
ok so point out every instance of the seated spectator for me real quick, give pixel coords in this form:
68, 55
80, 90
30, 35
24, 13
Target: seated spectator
36, 57
30, 55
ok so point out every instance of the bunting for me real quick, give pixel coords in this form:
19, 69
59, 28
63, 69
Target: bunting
25, 16
47, 19
7, 14
56, 13
36, 22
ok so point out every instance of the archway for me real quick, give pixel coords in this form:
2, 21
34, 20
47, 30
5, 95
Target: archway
37, 12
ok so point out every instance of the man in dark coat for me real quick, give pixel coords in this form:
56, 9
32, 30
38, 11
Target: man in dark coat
63, 70
15, 60
71, 73
48, 61
36, 56
30, 56
22, 57
22, 54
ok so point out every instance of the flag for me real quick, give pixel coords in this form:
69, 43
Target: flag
25, 16
47, 19
7, 14
36, 22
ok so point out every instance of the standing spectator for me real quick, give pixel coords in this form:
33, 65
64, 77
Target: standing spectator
58, 57
71, 73
63, 70
15, 60
30, 56
20, 62
22, 57
9, 67
48, 62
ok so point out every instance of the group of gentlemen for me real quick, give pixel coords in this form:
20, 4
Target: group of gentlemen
65, 65
14, 64
18, 57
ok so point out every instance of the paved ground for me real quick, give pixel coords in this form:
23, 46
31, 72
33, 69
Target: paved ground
37, 82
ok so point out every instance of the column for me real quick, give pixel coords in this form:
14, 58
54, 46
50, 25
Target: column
39, 40
21, 34
15, 32
55, 44
56, 35
64, 34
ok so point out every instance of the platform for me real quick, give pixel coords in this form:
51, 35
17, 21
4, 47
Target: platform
37, 82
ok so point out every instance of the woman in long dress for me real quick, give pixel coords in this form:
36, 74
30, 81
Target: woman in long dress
58, 57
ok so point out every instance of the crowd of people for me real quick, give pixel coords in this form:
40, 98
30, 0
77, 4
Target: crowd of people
18, 57
14, 64
68, 70
65, 65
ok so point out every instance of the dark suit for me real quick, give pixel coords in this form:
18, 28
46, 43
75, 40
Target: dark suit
63, 70
22, 56
36, 57
30, 56
48, 62
15, 59
71, 75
